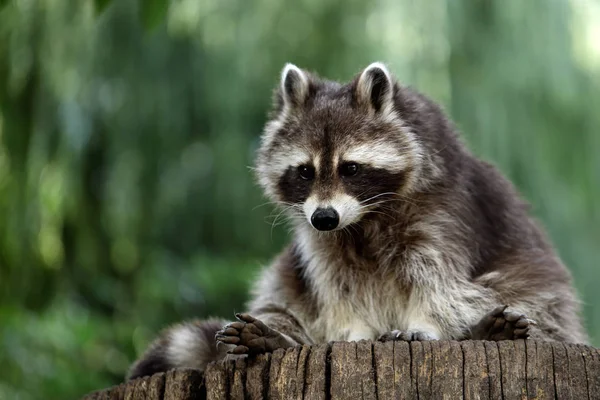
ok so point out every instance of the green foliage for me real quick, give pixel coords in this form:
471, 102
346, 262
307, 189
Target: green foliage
152, 12
127, 129
101, 5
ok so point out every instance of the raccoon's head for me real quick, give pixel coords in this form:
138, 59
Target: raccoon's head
331, 152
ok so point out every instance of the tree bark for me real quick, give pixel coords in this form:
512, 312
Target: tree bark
393, 370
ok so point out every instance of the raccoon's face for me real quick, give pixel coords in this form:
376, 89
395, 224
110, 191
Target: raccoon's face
333, 153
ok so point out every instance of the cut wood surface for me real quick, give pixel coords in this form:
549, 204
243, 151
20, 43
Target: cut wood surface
393, 370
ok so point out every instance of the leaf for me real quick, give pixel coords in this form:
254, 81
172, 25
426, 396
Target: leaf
152, 12
100, 5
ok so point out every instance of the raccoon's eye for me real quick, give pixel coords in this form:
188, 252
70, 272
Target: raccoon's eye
349, 169
306, 172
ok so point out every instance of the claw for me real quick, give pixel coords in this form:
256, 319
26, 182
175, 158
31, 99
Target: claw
235, 325
228, 339
245, 318
407, 336
498, 311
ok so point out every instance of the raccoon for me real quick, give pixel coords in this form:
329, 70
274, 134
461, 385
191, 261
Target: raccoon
399, 233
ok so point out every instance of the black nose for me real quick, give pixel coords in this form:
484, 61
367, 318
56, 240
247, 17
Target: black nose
325, 219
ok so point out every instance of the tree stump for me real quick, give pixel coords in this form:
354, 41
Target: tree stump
393, 370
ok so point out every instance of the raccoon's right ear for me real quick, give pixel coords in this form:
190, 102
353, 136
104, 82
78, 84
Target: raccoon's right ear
294, 86
375, 87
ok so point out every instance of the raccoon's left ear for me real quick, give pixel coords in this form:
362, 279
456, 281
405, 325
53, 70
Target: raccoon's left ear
294, 86
375, 87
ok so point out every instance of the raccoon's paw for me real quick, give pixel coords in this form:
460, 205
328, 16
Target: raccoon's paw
250, 336
408, 336
501, 324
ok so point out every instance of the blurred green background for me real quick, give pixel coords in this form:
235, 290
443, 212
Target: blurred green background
127, 129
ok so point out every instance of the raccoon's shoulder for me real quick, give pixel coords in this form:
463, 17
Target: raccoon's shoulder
285, 283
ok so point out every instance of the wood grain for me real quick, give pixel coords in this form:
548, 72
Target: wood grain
393, 370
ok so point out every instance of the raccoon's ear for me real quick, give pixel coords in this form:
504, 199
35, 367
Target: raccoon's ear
375, 87
294, 86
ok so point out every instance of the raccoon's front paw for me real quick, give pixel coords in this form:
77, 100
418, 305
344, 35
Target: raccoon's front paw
250, 336
501, 324
408, 336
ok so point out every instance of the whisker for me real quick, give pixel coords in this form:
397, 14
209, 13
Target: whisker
440, 150
276, 203
378, 195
